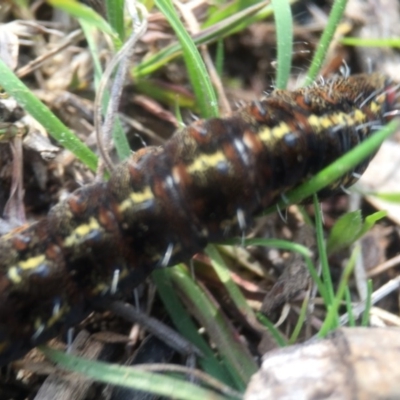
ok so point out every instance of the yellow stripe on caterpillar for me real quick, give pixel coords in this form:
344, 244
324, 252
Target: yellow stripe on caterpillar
206, 161
268, 135
14, 272
81, 232
136, 198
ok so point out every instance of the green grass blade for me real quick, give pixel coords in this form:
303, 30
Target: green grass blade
389, 197
55, 128
183, 322
335, 16
273, 330
284, 41
359, 42
225, 277
300, 321
227, 10
326, 274
167, 94
368, 304
332, 318
349, 308
225, 28
234, 353
89, 32
205, 94
132, 377
115, 16
81, 11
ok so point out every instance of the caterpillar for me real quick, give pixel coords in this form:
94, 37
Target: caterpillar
164, 204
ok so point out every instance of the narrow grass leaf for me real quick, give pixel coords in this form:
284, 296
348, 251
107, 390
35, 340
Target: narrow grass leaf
195, 67
368, 304
166, 94
300, 321
323, 257
284, 41
132, 377
224, 276
360, 42
115, 16
89, 31
233, 352
184, 323
55, 128
371, 220
81, 11
332, 317
335, 16
227, 10
349, 308
280, 339
223, 29
390, 197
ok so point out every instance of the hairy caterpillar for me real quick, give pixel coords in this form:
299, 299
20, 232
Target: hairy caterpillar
165, 203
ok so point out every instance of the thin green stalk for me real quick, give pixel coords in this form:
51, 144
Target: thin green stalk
335, 16
284, 40
184, 323
349, 308
323, 257
197, 71
225, 277
280, 339
300, 321
368, 304
115, 16
221, 30
235, 354
32, 105
359, 42
89, 32
332, 316
132, 377
84, 12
